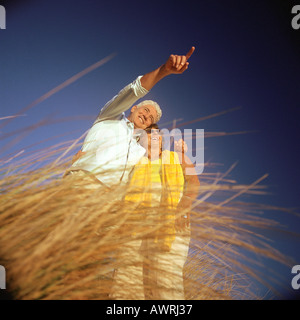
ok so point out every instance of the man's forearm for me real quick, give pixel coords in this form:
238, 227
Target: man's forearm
149, 80
175, 64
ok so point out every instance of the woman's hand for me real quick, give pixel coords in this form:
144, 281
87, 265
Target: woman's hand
180, 146
183, 213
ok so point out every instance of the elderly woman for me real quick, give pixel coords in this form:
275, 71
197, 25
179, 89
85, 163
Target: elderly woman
152, 266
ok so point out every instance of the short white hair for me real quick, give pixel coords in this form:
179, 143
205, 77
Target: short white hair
154, 104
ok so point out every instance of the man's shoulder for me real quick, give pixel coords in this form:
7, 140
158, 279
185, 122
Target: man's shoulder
111, 120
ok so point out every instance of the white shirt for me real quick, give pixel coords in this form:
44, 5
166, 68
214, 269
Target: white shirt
111, 149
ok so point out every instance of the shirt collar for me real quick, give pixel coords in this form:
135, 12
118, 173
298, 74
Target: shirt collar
135, 134
129, 123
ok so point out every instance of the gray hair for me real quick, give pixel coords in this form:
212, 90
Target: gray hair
154, 104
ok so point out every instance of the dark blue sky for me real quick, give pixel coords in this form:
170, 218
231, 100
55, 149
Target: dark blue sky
247, 56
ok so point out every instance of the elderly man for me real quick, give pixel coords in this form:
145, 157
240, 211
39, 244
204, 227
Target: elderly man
110, 149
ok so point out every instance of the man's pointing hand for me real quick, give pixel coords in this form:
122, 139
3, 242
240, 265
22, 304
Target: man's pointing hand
174, 65
178, 64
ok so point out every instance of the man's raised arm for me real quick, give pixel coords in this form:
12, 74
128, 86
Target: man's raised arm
176, 64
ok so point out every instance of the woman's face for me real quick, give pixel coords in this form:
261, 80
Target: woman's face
152, 141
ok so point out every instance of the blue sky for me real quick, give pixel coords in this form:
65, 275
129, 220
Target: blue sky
247, 56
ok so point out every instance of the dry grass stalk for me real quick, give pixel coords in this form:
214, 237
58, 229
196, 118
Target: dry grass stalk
58, 241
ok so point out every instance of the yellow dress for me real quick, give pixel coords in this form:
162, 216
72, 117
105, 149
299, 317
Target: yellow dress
159, 183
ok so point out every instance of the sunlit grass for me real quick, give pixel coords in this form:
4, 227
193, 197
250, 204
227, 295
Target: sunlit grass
58, 241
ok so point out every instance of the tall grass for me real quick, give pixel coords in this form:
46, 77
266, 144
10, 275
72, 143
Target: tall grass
58, 241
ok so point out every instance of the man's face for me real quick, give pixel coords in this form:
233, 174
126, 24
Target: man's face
143, 117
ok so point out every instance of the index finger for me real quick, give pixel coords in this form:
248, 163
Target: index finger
188, 55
